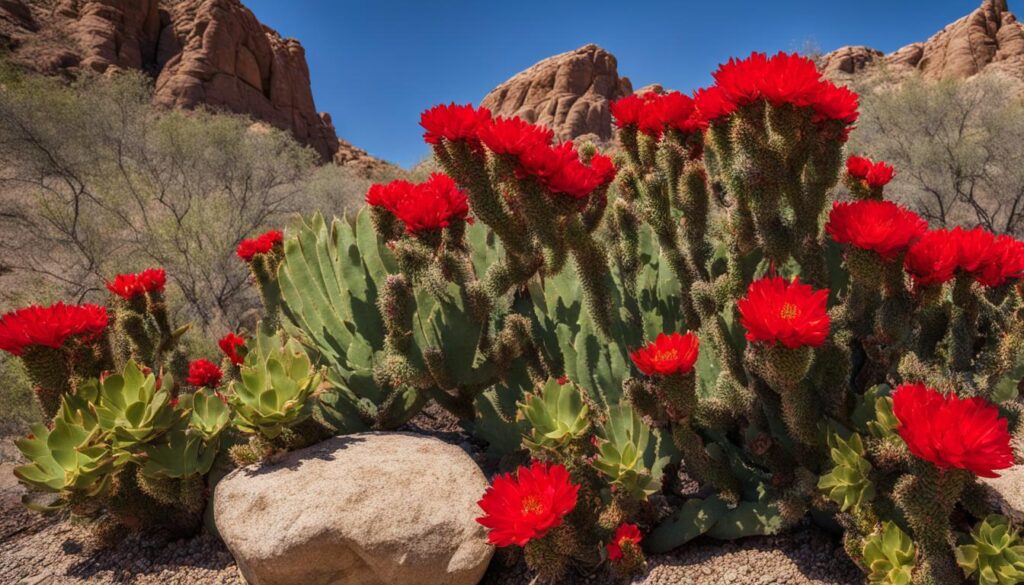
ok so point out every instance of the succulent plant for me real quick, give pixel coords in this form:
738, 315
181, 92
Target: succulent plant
849, 483
885, 423
889, 556
274, 389
132, 407
626, 455
210, 413
995, 555
70, 460
180, 453
557, 416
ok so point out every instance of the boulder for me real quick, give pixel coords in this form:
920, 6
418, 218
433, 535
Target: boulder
363, 509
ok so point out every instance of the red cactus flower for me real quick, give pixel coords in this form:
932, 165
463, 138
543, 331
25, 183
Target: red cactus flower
789, 313
741, 79
951, 432
932, 259
513, 136
388, 195
262, 244
781, 79
974, 248
229, 344
50, 326
789, 78
628, 110
650, 113
625, 536
875, 174
432, 205
544, 162
559, 170
1004, 262
834, 103
712, 104
204, 373
668, 355
128, 286
563, 380
520, 509
603, 168
880, 226
453, 122
679, 111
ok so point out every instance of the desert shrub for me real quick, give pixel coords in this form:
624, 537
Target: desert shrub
95, 181
958, 145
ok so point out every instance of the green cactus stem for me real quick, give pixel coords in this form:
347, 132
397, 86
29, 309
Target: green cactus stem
927, 496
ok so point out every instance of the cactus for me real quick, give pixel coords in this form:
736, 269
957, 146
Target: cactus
995, 555
531, 261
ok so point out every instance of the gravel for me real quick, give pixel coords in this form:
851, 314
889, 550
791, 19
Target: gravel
47, 550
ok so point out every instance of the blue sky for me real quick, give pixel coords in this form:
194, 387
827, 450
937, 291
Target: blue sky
375, 65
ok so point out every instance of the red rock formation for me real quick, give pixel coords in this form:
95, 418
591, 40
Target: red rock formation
987, 39
211, 53
569, 93
215, 53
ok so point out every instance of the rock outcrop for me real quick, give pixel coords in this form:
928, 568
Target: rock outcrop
363, 509
568, 93
988, 39
201, 53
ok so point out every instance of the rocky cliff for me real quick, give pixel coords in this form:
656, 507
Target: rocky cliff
211, 53
988, 39
568, 93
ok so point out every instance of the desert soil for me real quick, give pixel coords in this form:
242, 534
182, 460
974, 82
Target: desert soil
39, 550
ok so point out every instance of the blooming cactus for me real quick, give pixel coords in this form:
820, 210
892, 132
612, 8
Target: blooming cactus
525, 507
950, 432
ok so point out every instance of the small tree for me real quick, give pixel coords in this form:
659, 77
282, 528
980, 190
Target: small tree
957, 145
94, 181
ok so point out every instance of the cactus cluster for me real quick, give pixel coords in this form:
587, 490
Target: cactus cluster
699, 305
130, 445
121, 451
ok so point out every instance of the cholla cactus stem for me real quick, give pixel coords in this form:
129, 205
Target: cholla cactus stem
963, 324
592, 267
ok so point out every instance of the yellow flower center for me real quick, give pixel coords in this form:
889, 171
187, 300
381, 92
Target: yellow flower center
789, 312
532, 505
